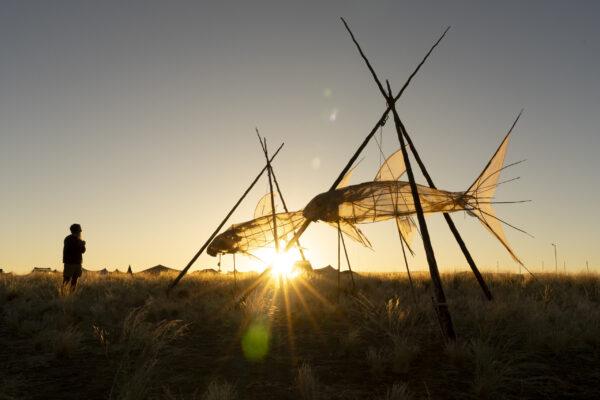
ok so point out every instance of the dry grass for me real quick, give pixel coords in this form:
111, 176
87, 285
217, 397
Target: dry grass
122, 337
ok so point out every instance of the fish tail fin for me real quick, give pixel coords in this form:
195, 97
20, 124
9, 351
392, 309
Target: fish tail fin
478, 197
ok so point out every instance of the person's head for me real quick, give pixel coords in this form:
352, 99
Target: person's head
75, 229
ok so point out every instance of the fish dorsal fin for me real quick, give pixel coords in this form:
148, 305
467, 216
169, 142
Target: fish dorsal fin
392, 168
264, 206
345, 180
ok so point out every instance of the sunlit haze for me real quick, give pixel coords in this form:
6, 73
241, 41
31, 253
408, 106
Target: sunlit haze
137, 121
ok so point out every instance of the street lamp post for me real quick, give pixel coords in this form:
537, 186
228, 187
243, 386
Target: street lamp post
555, 259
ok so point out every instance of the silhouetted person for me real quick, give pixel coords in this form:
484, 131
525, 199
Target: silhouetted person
72, 256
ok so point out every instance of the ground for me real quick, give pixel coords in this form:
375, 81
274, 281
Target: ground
123, 337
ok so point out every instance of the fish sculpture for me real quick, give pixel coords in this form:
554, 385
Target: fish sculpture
258, 233
381, 200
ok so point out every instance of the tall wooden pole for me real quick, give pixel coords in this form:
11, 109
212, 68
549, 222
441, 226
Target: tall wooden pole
449, 221
205, 245
273, 212
441, 304
347, 258
410, 281
287, 211
234, 275
339, 271
264, 147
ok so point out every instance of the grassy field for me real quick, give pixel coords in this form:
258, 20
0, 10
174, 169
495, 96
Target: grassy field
121, 337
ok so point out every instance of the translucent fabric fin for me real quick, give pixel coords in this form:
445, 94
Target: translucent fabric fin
485, 214
345, 180
479, 195
407, 228
392, 169
484, 186
352, 232
264, 206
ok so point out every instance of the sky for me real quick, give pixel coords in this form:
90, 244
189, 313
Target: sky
136, 119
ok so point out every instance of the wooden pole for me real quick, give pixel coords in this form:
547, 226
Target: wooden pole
205, 245
287, 211
234, 275
449, 221
339, 258
410, 281
264, 146
273, 212
441, 304
347, 258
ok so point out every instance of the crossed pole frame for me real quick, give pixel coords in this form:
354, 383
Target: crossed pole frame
263, 276
216, 231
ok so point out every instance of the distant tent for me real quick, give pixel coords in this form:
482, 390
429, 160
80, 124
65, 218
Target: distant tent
129, 271
158, 269
325, 270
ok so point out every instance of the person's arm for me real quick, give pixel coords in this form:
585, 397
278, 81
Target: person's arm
82, 243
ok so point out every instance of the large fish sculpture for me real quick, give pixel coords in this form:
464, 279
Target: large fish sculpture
385, 199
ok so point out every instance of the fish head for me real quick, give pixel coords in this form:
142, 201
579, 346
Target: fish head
226, 242
324, 207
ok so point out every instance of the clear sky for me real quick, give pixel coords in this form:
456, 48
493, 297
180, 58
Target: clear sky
136, 120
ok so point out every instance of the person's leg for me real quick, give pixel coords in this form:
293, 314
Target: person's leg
74, 281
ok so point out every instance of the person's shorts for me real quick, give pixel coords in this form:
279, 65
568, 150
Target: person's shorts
72, 270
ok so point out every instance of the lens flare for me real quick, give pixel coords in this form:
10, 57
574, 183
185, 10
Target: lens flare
333, 115
283, 266
315, 163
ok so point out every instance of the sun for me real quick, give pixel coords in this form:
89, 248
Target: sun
282, 263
